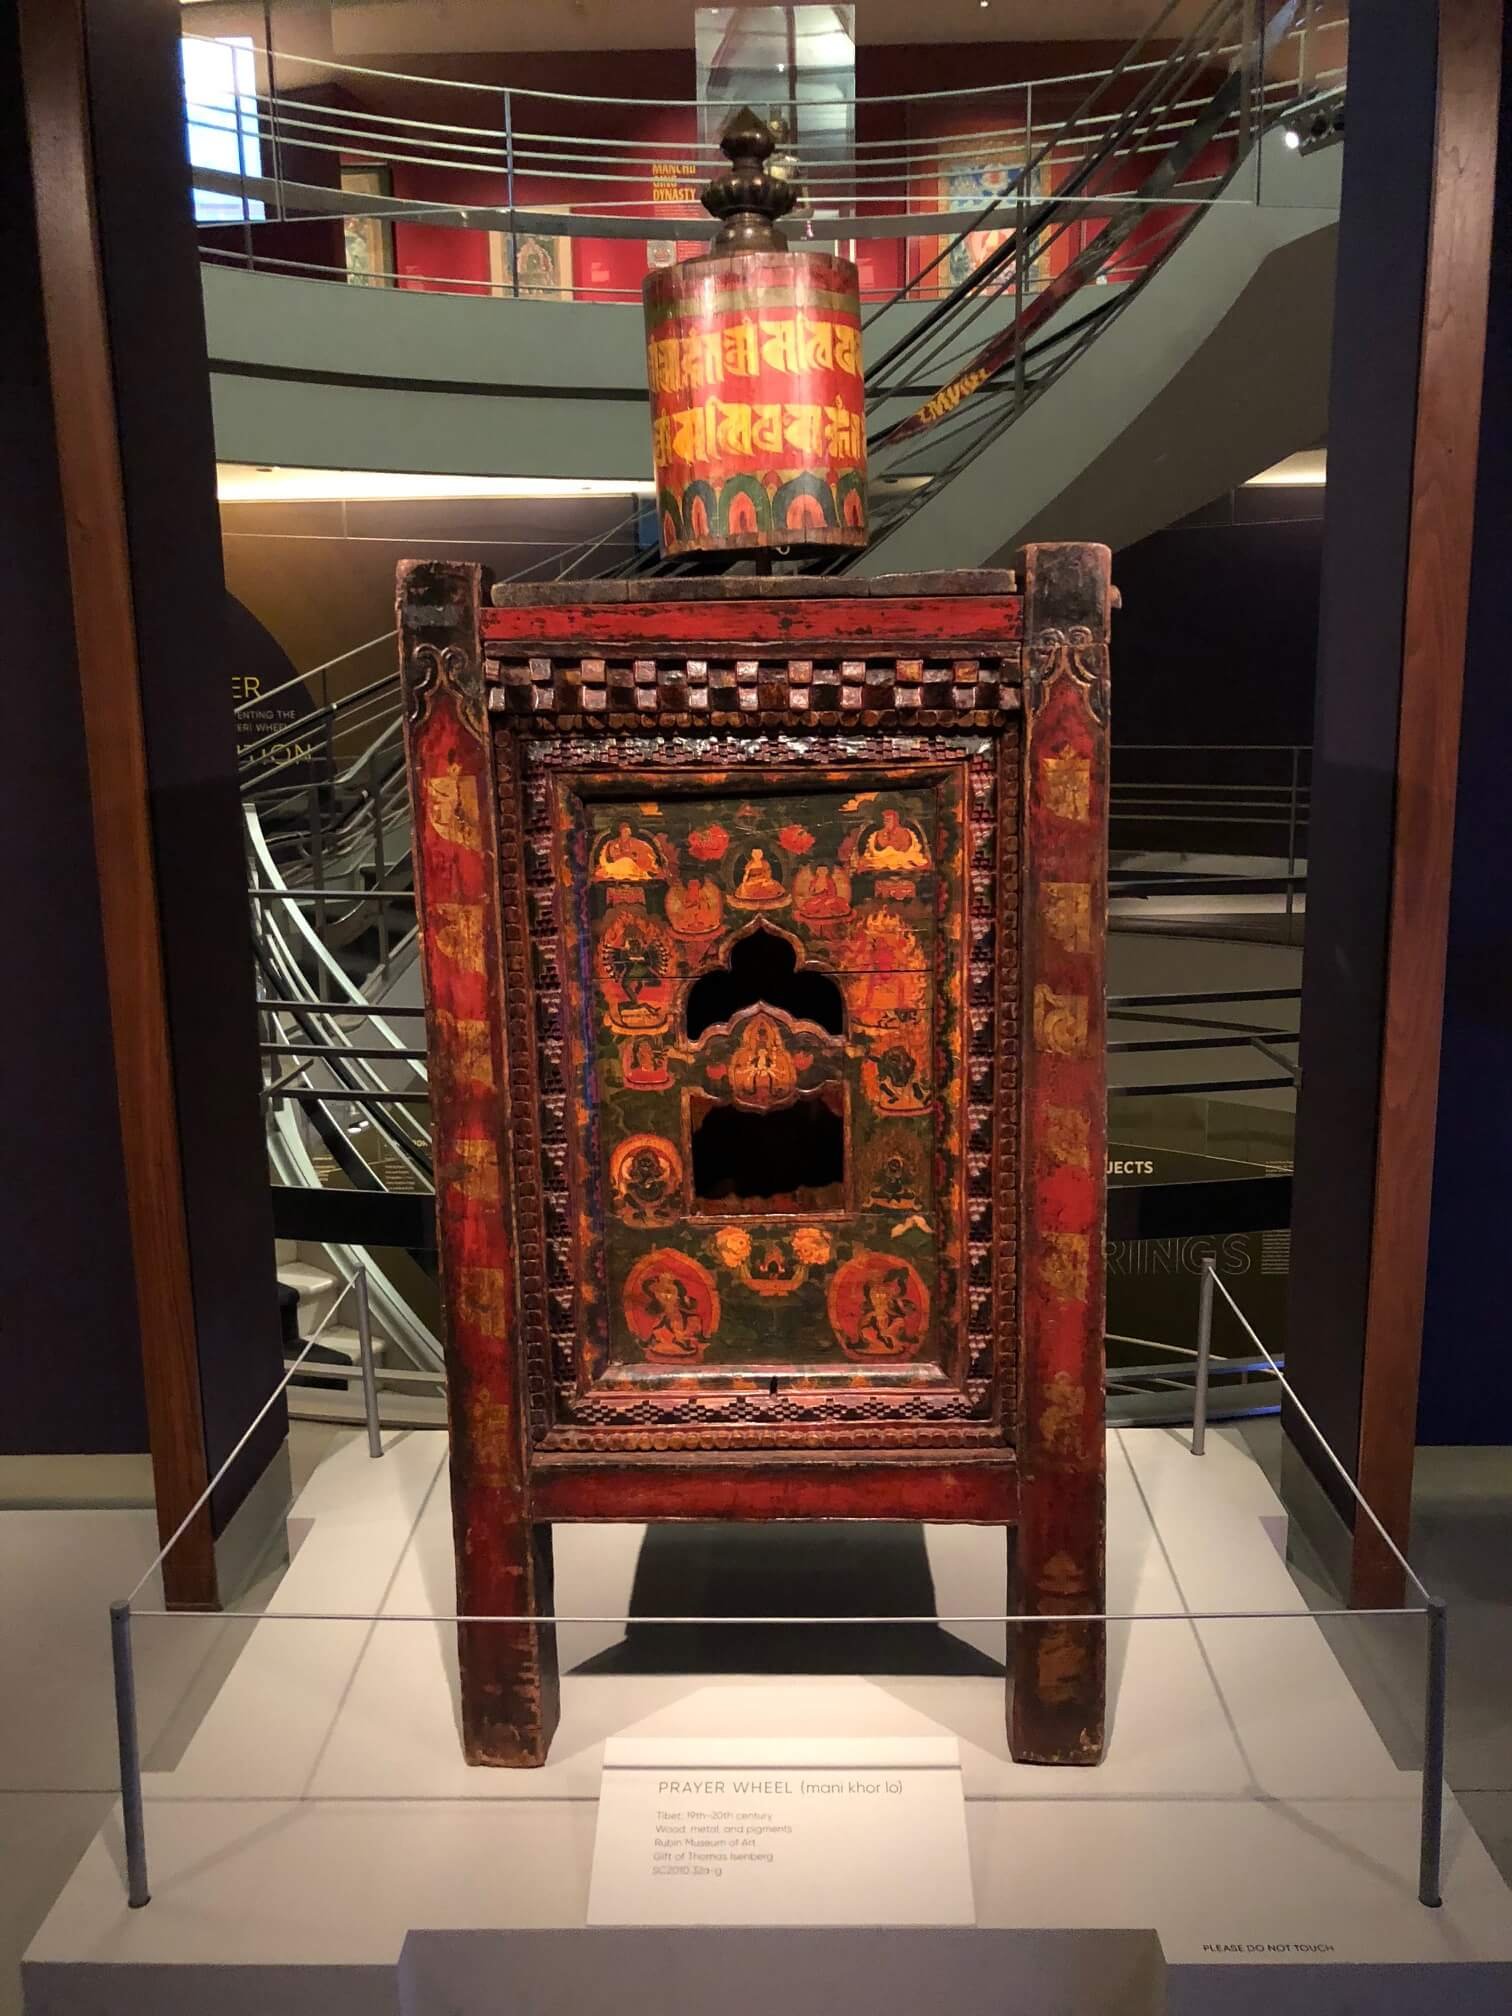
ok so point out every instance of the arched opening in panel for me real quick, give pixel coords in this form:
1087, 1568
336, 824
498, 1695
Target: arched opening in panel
764, 969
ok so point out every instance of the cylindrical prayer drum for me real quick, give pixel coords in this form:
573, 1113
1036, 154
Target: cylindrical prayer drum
753, 357
758, 432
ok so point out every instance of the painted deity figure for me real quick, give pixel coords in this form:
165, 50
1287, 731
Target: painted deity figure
644, 1175
677, 1328
895, 844
762, 1070
889, 1326
635, 959
757, 882
695, 907
623, 858
823, 893
643, 1064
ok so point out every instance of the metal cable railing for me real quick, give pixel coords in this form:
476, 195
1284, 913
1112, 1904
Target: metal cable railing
510, 169
969, 423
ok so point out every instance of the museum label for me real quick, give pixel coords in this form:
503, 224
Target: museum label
759, 1832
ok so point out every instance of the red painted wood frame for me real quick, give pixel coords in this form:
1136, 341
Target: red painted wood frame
908, 671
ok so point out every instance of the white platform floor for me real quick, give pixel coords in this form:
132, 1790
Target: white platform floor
319, 1810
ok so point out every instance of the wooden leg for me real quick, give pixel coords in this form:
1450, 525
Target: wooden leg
1059, 1667
511, 1692
1058, 1671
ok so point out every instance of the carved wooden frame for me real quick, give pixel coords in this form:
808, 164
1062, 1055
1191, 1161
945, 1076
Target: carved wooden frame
500, 699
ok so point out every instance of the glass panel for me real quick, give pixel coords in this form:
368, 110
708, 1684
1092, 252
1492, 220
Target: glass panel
220, 116
794, 66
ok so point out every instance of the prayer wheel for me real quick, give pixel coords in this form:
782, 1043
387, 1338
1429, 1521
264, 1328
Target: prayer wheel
753, 356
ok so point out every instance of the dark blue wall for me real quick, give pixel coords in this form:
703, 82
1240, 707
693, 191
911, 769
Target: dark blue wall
1217, 638
68, 1325
1383, 240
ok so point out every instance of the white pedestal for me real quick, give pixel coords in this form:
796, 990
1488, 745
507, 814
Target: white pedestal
1248, 1823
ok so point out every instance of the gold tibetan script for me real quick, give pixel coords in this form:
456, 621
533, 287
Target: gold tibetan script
703, 357
457, 931
694, 434
1068, 914
1060, 1023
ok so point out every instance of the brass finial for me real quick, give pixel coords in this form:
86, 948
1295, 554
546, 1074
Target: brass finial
747, 198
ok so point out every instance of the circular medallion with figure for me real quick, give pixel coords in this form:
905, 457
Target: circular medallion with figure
672, 1306
878, 1307
646, 1180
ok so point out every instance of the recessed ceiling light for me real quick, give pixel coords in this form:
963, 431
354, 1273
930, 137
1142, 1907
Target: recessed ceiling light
1307, 469
239, 483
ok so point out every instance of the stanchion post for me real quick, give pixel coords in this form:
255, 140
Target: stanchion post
1204, 1358
1019, 298
365, 1361
137, 1892
1291, 832
509, 194
1435, 1709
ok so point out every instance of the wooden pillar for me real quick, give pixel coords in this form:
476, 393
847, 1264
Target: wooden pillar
109, 677
509, 1671
1409, 356
135, 455
72, 1355
1440, 541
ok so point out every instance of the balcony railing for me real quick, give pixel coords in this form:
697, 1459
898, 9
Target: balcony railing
505, 191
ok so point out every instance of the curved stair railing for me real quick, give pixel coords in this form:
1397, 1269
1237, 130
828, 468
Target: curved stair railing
986, 388
331, 1055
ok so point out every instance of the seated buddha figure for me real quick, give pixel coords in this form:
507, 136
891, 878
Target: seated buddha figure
694, 907
823, 893
758, 886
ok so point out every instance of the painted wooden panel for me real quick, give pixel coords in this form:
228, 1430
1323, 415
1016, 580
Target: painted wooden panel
772, 1023
697, 922
985, 620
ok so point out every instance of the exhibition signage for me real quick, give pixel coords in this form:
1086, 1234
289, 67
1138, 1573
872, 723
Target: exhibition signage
767, 1831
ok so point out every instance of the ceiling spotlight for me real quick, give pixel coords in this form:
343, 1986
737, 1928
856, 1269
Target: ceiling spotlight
1316, 125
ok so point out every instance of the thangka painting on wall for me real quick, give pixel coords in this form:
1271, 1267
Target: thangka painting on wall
968, 185
533, 263
368, 242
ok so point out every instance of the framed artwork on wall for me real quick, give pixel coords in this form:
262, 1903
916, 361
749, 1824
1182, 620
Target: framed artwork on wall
969, 185
540, 264
368, 241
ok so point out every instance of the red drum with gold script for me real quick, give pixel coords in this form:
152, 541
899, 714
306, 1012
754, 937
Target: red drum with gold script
753, 358
758, 432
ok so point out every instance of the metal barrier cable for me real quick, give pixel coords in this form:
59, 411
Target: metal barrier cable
543, 1617
1359, 1496
252, 1425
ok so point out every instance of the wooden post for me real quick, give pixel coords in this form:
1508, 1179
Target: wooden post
1057, 1709
1433, 666
509, 1672
89, 467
